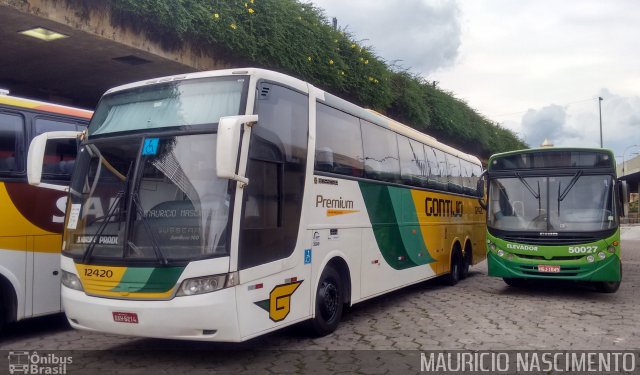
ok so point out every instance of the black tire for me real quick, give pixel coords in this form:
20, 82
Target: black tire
514, 281
607, 287
329, 303
455, 269
3, 314
466, 264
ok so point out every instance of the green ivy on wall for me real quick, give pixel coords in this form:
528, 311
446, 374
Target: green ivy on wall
294, 37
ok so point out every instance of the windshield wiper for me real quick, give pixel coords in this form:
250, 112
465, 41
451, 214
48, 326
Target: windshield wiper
105, 221
535, 195
563, 195
154, 243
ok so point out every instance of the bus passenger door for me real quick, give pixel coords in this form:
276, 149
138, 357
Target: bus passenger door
275, 280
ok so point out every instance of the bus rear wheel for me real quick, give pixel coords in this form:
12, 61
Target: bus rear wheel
3, 315
455, 269
466, 264
329, 303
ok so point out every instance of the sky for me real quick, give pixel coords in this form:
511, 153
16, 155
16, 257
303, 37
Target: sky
535, 67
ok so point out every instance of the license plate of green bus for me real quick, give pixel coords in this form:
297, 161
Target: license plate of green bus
548, 269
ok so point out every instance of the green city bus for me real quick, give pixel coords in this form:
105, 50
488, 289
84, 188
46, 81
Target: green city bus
552, 213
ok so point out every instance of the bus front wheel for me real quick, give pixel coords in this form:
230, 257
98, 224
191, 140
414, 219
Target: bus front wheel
608, 287
329, 303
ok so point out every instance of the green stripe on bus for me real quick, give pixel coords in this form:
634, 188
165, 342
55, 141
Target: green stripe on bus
148, 279
393, 217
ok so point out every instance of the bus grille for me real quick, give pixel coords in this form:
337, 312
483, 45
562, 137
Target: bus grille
538, 257
550, 241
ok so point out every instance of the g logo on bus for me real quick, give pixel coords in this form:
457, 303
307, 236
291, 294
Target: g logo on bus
279, 303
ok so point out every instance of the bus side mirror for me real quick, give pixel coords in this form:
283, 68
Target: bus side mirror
480, 190
623, 197
36, 155
228, 145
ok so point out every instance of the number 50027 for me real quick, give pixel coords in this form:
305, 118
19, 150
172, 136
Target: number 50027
582, 249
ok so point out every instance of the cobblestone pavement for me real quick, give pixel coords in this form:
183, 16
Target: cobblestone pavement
478, 313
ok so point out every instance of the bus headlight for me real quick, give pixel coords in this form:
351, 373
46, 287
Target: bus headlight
492, 246
501, 253
207, 284
71, 281
601, 255
611, 249
590, 259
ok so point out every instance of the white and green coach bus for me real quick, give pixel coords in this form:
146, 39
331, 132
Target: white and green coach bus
224, 205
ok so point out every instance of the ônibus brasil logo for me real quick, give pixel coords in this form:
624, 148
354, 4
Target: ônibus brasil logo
24, 362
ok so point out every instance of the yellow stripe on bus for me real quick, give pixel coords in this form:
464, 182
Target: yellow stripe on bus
438, 215
45, 107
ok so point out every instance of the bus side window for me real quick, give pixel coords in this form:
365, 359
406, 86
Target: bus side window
381, 161
453, 176
338, 142
413, 166
11, 143
60, 154
437, 167
476, 171
468, 182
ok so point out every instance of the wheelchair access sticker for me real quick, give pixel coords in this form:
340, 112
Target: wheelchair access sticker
150, 146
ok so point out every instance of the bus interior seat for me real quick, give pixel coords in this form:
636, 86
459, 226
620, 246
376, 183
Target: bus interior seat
324, 159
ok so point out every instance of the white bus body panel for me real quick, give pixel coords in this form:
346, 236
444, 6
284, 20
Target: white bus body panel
13, 266
46, 283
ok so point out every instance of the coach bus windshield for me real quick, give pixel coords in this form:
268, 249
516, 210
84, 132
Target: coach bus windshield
573, 203
171, 207
175, 103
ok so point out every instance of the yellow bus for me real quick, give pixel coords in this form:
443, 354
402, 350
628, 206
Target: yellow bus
31, 219
224, 205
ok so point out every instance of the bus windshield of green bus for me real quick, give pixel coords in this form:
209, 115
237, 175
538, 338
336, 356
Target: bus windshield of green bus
171, 207
176, 103
573, 203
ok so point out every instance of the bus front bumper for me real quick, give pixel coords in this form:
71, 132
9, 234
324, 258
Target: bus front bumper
604, 270
206, 317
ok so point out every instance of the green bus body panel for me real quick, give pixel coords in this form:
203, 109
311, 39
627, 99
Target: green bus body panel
393, 217
578, 269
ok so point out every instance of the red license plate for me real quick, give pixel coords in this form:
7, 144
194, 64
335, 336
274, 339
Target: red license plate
550, 269
125, 317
